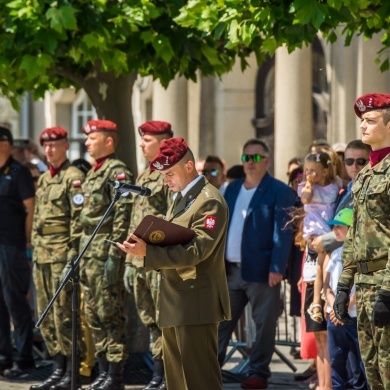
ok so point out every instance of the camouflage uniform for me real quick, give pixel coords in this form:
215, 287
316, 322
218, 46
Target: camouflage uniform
365, 262
146, 284
55, 238
103, 302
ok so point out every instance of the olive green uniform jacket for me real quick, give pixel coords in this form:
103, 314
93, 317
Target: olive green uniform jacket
193, 287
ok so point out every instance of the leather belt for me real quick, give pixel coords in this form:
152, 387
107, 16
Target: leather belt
365, 267
233, 264
45, 230
103, 229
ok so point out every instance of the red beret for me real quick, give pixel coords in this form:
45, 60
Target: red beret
52, 134
98, 125
370, 102
155, 128
170, 152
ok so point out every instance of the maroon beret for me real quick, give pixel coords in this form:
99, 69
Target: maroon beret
170, 152
370, 102
98, 125
52, 134
155, 128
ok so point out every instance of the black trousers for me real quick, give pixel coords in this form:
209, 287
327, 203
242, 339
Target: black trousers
15, 276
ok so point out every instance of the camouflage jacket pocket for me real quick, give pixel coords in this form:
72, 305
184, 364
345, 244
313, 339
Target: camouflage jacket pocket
377, 200
57, 196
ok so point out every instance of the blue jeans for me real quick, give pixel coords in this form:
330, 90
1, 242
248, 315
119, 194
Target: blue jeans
15, 276
346, 364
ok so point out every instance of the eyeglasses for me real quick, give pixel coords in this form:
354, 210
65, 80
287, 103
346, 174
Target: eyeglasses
212, 172
254, 157
360, 161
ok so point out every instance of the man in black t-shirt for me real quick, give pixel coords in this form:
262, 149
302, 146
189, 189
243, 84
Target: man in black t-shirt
16, 211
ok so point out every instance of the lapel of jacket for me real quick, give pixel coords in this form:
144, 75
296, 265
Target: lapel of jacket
259, 193
189, 197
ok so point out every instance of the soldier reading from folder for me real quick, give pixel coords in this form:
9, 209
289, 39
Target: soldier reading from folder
193, 289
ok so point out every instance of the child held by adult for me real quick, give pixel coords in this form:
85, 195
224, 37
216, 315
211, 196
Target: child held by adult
318, 194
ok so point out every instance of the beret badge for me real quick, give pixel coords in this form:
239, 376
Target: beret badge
360, 105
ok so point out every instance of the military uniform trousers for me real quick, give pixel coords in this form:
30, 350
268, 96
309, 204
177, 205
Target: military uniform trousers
146, 293
374, 342
104, 310
188, 351
56, 329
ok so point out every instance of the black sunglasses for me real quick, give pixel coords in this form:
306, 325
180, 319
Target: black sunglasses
360, 161
254, 157
212, 172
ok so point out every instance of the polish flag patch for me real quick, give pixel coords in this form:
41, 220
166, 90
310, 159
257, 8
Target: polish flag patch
121, 176
210, 222
76, 183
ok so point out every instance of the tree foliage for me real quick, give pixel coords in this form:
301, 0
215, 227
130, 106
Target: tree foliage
48, 44
261, 26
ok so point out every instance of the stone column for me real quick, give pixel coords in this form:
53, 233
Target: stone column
171, 105
293, 107
193, 107
343, 66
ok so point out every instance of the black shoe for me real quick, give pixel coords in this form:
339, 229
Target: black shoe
154, 383
95, 385
112, 383
163, 385
53, 379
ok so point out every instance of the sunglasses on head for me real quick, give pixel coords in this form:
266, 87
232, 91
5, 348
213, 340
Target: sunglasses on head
254, 157
212, 172
360, 161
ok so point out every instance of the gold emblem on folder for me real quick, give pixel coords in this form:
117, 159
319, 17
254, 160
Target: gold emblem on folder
156, 236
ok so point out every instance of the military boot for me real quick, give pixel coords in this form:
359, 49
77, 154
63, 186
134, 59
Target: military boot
158, 375
103, 372
66, 381
114, 379
59, 363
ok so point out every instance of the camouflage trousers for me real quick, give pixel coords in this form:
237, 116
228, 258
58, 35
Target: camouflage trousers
56, 328
146, 294
104, 310
374, 342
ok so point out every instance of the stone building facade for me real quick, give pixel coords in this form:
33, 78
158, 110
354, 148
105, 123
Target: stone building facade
288, 101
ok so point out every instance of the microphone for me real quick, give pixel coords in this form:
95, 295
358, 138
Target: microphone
144, 191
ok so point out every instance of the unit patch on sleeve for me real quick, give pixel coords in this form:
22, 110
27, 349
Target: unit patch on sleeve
210, 222
78, 199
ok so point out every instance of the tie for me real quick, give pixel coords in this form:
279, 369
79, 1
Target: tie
179, 197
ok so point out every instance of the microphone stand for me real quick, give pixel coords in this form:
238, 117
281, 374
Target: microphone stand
73, 275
